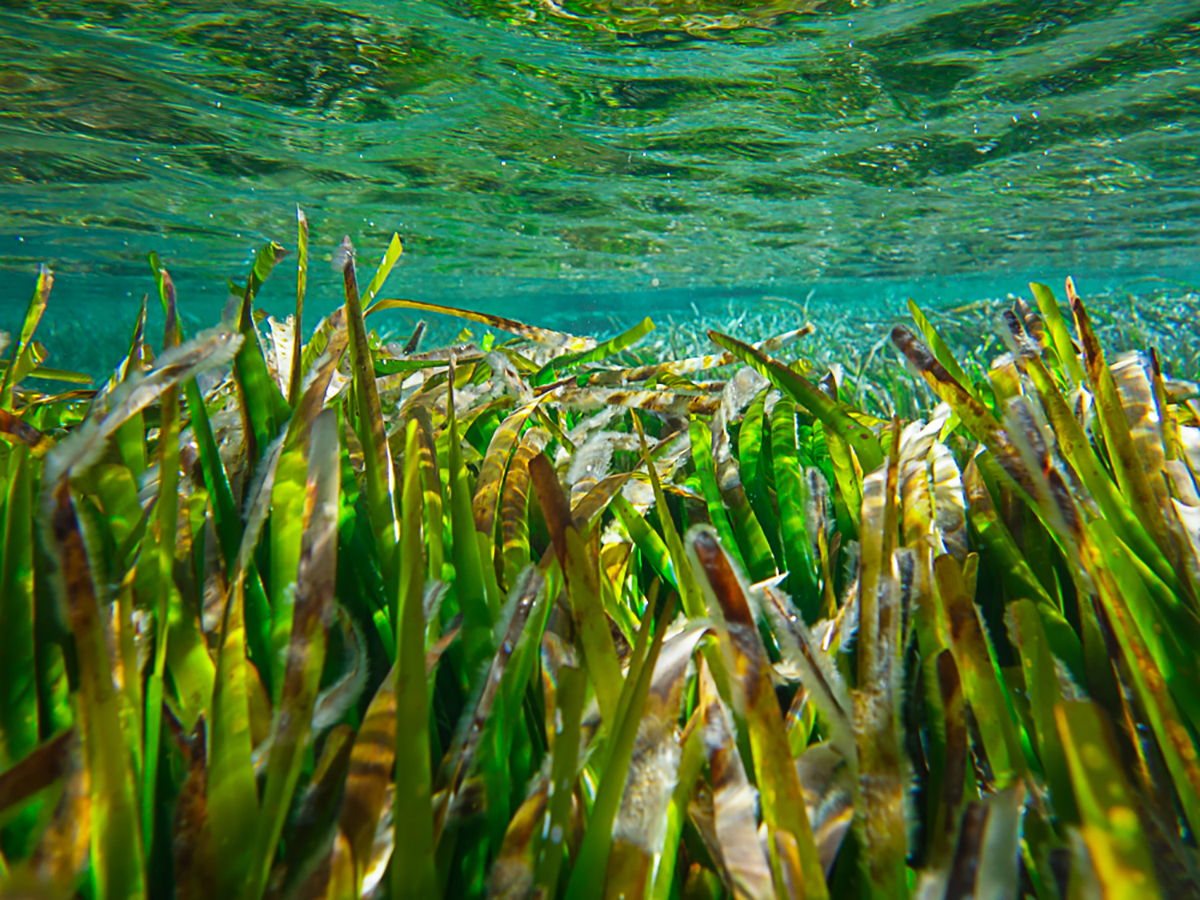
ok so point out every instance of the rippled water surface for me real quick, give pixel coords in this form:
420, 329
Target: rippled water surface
569, 158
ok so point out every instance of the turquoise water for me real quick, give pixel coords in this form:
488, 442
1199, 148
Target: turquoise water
572, 162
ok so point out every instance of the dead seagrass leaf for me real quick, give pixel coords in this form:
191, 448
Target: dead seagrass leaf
371, 763
555, 339
725, 815
749, 671
460, 758
206, 351
37, 770
829, 788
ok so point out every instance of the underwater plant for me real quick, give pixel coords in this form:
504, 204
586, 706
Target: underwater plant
532, 616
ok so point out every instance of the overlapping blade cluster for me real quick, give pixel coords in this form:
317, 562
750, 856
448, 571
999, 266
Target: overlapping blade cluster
540, 615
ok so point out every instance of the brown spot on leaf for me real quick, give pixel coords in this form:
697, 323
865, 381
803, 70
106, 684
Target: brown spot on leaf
721, 576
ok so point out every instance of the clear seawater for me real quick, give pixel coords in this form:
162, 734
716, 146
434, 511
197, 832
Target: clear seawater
580, 163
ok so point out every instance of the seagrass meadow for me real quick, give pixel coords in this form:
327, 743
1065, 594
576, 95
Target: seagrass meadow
537, 615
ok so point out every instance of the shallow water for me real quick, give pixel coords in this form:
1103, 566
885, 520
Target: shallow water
572, 161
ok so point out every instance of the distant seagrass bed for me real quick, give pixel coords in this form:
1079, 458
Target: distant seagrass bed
804, 607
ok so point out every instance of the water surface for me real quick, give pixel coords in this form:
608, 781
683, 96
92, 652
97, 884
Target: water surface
580, 159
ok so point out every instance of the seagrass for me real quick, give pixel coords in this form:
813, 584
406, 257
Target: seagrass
536, 615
